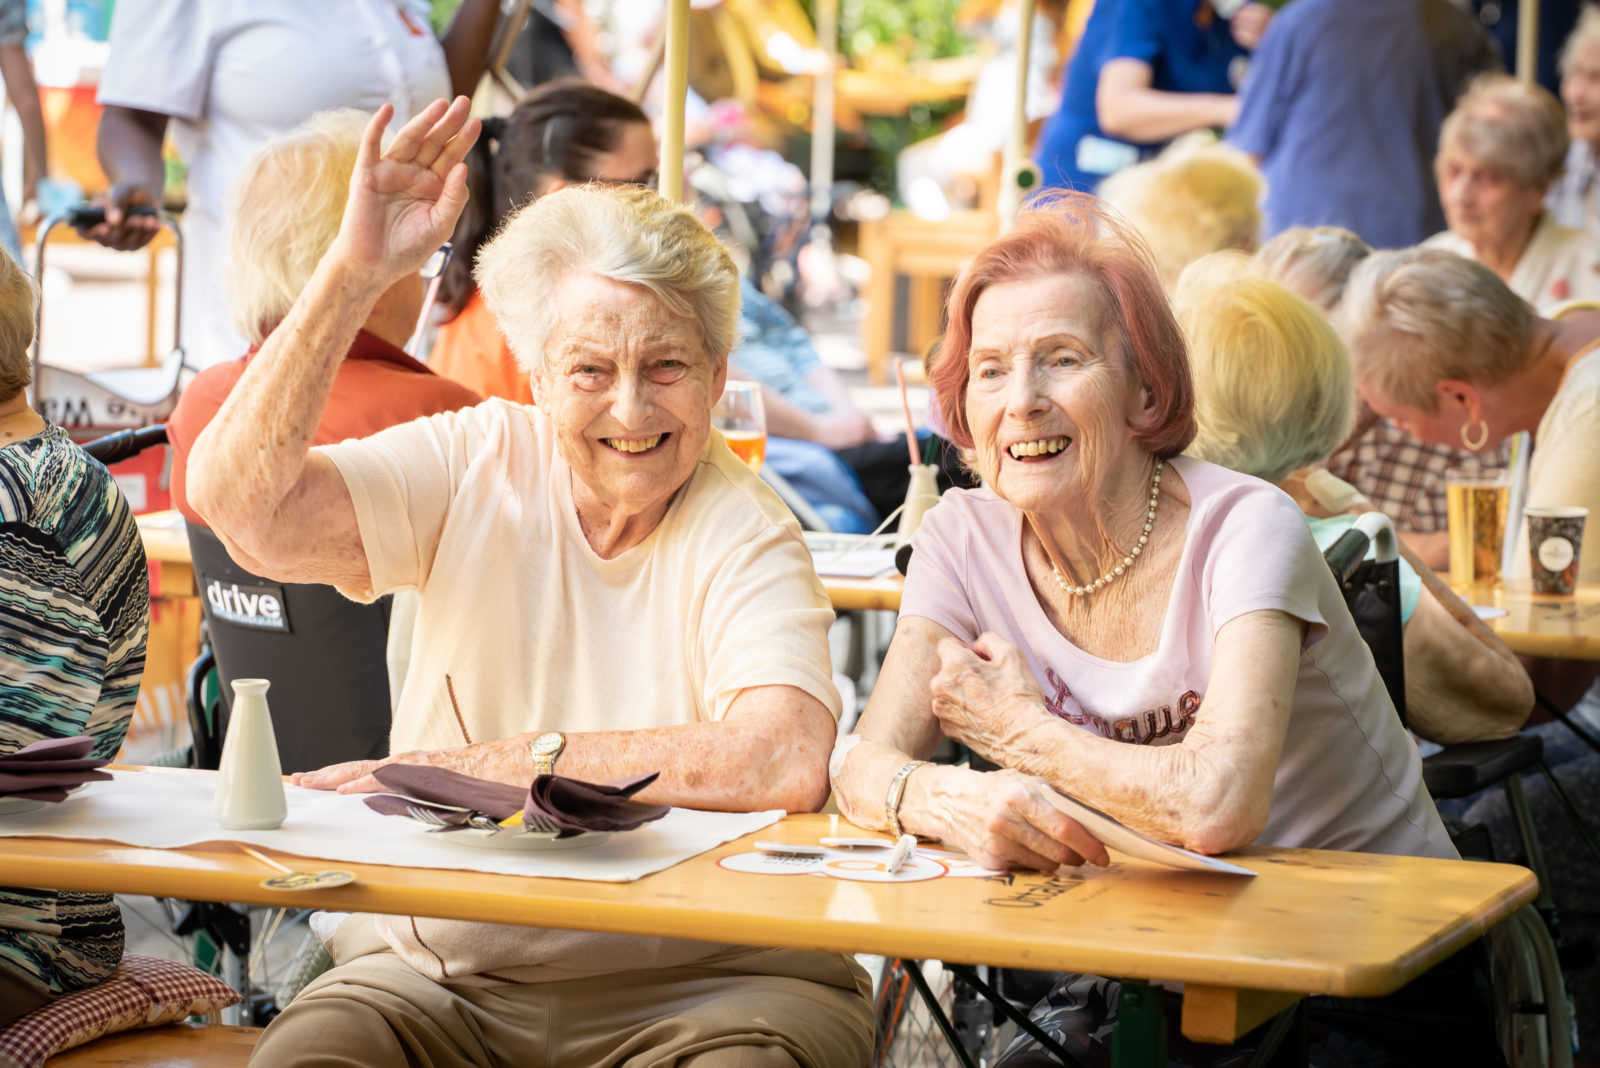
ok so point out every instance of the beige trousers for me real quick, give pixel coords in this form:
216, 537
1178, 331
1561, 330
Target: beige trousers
377, 1010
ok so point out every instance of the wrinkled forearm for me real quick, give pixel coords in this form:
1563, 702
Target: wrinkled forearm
1463, 684
725, 767
249, 461
863, 784
1191, 793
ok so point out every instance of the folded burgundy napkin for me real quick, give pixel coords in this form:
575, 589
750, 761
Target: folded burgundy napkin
576, 806
572, 805
441, 786
47, 770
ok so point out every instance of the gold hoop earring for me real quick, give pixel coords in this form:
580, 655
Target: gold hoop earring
1483, 436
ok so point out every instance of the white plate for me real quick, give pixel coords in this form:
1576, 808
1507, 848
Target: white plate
525, 841
1488, 611
15, 806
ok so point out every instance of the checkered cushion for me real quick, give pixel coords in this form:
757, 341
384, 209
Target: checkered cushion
143, 992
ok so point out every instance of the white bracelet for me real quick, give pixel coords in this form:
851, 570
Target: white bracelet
841, 749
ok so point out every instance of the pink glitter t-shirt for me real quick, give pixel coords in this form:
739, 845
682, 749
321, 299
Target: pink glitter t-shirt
1349, 776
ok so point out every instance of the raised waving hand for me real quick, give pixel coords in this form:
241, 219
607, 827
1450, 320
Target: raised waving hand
404, 199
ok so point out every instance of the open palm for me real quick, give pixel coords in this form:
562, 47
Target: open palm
404, 200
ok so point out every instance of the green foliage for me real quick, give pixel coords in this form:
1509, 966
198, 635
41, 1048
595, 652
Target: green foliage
915, 29
443, 11
880, 34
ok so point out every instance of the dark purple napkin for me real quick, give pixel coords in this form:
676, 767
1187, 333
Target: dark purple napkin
446, 787
577, 806
44, 771
571, 804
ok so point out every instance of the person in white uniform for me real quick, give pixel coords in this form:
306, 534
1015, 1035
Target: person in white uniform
229, 75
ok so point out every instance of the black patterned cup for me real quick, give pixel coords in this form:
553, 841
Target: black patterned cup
1555, 540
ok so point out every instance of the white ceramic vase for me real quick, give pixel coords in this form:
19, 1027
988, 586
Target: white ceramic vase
250, 780
922, 493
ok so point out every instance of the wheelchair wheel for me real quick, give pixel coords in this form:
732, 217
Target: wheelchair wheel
1532, 1017
907, 1035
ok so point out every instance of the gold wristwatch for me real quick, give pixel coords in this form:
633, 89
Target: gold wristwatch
545, 749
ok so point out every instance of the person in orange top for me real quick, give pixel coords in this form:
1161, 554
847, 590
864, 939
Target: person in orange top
560, 134
287, 210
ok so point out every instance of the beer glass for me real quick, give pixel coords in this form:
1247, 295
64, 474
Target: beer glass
743, 422
1475, 507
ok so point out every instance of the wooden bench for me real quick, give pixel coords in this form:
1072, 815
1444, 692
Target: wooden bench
177, 1045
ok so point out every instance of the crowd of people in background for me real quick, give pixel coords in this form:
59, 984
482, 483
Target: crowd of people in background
1294, 262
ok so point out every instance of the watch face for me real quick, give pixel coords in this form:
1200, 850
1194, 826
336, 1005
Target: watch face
548, 743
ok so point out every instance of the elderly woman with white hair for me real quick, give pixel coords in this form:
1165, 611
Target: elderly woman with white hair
1575, 199
605, 591
1273, 396
1198, 196
1500, 151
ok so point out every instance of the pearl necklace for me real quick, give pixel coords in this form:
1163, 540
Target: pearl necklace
1133, 553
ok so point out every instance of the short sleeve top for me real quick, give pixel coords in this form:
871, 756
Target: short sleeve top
1349, 776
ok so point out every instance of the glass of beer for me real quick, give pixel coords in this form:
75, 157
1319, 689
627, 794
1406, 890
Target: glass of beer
1475, 507
743, 422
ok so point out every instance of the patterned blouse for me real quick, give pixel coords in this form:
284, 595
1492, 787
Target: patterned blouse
74, 613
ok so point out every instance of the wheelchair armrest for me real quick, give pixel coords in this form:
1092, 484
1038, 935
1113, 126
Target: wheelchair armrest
1462, 770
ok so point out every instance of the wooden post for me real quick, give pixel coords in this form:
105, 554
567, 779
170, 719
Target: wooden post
822, 130
1528, 41
673, 103
1016, 170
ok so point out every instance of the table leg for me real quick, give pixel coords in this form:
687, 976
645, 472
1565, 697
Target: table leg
1287, 1042
1139, 1037
953, 1040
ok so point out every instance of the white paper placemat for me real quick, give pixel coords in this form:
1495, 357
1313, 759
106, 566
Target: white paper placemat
854, 563
170, 807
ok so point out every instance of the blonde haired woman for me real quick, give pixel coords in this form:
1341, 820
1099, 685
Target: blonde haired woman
1273, 395
1198, 196
1500, 151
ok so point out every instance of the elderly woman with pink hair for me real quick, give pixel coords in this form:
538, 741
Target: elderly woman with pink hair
1153, 635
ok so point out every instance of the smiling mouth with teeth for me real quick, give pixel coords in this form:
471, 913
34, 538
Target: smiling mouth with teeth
634, 445
1029, 450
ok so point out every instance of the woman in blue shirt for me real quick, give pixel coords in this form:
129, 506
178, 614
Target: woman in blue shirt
1144, 72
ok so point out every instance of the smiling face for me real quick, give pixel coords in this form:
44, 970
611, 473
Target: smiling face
1482, 204
1580, 92
1050, 402
629, 387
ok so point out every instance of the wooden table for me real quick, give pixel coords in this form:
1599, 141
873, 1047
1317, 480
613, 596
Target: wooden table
1564, 627
880, 594
1312, 922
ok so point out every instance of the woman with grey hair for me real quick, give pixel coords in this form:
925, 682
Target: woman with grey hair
1444, 349
1399, 474
1500, 151
1273, 396
605, 591
1575, 199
